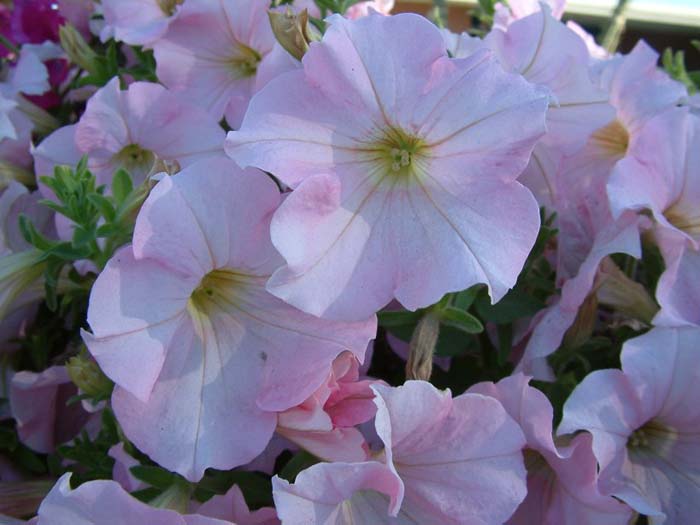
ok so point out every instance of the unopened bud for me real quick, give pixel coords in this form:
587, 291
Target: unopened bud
87, 376
77, 49
293, 31
176, 497
421, 349
44, 122
582, 328
616, 290
20, 499
10, 172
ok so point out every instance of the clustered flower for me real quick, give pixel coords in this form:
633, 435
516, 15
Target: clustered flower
215, 256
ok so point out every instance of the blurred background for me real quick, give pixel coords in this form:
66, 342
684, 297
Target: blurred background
662, 23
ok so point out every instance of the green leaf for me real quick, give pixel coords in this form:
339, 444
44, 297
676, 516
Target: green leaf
300, 461
155, 476
103, 204
464, 299
32, 235
398, 318
515, 305
122, 185
460, 320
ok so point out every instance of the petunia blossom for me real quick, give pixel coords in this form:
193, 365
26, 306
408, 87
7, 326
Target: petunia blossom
646, 424
546, 52
324, 424
105, 502
402, 188
513, 10
562, 480
218, 355
212, 51
39, 404
137, 22
447, 461
663, 179
233, 507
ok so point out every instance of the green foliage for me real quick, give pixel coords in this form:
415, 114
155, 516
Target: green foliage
101, 224
674, 64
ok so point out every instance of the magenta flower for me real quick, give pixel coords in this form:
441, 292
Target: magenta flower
562, 481
646, 424
212, 52
34, 21
324, 424
218, 354
402, 188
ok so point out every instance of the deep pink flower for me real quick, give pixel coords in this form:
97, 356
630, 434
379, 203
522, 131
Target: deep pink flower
34, 21
401, 188
645, 423
218, 354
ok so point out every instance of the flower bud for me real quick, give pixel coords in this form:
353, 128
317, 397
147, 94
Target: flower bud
293, 32
582, 328
21, 280
624, 295
44, 122
87, 376
20, 499
10, 172
421, 349
77, 49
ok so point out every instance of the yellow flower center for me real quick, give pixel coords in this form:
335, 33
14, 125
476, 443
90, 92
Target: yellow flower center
134, 159
244, 62
216, 291
169, 6
397, 154
612, 139
685, 218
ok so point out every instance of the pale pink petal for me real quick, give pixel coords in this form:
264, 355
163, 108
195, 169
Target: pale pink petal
232, 507
620, 237
459, 459
135, 22
38, 404
340, 494
121, 472
105, 502
678, 289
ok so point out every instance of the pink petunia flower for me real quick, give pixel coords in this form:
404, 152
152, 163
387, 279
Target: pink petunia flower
137, 22
645, 424
562, 480
38, 403
546, 52
591, 226
218, 355
324, 424
212, 52
513, 10
663, 179
105, 502
448, 461
402, 187
132, 129
232, 507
